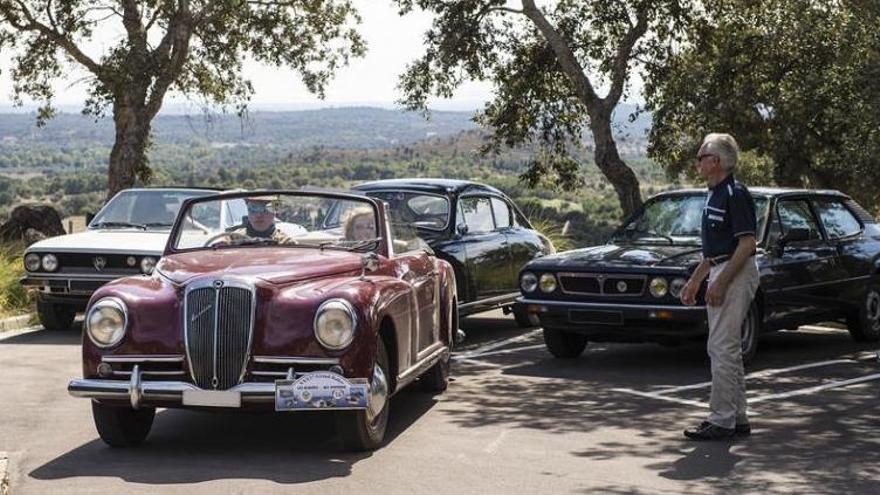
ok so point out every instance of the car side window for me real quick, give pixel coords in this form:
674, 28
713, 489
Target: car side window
837, 219
795, 214
477, 214
501, 213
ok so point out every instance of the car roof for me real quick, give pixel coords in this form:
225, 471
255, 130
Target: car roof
428, 185
765, 191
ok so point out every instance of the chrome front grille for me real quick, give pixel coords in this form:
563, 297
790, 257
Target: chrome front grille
219, 322
602, 284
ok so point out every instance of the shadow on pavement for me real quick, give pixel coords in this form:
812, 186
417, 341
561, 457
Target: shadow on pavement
72, 336
192, 447
821, 443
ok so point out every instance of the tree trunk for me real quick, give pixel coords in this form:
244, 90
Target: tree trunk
128, 158
622, 178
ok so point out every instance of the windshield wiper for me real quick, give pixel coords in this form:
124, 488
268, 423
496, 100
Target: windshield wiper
256, 242
154, 224
647, 233
355, 245
119, 224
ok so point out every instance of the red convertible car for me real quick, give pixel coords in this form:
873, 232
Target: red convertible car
276, 313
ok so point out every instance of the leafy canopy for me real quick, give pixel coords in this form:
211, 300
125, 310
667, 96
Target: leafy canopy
797, 82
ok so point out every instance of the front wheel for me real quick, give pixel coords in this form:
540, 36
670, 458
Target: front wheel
122, 426
55, 316
749, 337
864, 326
365, 430
564, 344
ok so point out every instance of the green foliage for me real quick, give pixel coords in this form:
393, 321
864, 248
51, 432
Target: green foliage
545, 64
13, 298
797, 82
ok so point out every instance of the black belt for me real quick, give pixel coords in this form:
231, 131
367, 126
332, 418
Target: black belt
717, 260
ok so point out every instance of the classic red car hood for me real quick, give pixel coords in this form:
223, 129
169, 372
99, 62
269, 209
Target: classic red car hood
272, 264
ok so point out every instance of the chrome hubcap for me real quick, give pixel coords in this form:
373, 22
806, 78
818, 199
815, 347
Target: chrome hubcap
748, 331
378, 393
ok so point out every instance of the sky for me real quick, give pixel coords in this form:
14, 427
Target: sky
392, 42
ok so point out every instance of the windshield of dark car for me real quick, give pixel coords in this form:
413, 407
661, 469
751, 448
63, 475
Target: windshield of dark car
145, 209
420, 210
294, 220
676, 220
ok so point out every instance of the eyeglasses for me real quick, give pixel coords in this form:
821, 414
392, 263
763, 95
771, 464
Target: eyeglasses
704, 155
259, 208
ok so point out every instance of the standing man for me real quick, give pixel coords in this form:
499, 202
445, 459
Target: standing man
728, 237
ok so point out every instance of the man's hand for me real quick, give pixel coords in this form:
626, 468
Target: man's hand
715, 293
688, 294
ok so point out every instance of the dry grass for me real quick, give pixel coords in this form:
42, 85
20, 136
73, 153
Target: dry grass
553, 231
13, 297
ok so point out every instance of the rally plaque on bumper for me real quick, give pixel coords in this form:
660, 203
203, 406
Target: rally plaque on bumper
320, 390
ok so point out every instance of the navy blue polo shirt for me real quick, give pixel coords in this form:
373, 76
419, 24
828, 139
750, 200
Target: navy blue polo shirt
728, 215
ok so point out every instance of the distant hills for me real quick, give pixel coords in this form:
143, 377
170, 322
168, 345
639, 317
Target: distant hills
348, 128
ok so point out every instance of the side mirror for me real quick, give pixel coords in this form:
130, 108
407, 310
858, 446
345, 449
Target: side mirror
791, 235
461, 229
369, 264
89, 217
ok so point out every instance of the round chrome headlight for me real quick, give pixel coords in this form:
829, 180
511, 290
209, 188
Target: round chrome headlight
528, 282
50, 262
147, 265
659, 287
32, 262
676, 286
107, 321
334, 324
547, 283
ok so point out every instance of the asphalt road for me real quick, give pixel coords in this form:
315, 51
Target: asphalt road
514, 420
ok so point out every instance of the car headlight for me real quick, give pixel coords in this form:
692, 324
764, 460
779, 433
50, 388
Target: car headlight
547, 283
32, 262
50, 262
528, 282
334, 324
147, 265
107, 321
676, 286
659, 287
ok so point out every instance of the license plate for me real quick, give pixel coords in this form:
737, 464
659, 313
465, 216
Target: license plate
596, 317
320, 390
212, 398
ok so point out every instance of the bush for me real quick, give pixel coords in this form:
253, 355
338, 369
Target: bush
13, 298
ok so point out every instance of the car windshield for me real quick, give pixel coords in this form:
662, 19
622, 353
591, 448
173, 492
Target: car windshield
285, 219
427, 211
143, 209
676, 220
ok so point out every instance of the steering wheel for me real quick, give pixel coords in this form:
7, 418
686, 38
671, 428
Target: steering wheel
230, 236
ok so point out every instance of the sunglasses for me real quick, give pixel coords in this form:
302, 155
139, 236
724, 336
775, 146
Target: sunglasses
704, 155
259, 208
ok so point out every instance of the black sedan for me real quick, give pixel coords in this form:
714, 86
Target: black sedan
818, 256
476, 228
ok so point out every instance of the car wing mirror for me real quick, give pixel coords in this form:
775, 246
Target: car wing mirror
461, 229
792, 235
369, 264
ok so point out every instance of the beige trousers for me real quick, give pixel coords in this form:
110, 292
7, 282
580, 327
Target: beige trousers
727, 403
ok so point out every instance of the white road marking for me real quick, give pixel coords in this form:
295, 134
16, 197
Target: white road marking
817, 388
760, 374
501, 343
494, 444
658, 396
508, 351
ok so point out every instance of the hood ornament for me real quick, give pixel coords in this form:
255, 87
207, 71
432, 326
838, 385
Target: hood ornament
99, 262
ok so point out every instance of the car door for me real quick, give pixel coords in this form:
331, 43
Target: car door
417, 268
795, 278
488, 256
844, 232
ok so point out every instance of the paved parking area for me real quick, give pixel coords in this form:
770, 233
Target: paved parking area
515, 420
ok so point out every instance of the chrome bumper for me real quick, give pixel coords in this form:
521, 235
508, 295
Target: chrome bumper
139, 393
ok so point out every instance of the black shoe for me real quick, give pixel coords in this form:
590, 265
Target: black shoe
742, 429
709, 431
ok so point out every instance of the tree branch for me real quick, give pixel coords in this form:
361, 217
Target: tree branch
620, 69
567, 60
171, 54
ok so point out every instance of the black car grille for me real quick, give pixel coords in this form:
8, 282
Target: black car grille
219, 324
607, 285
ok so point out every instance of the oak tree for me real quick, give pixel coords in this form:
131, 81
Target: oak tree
193, 47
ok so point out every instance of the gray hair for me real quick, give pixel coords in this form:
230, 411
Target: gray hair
725, 147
